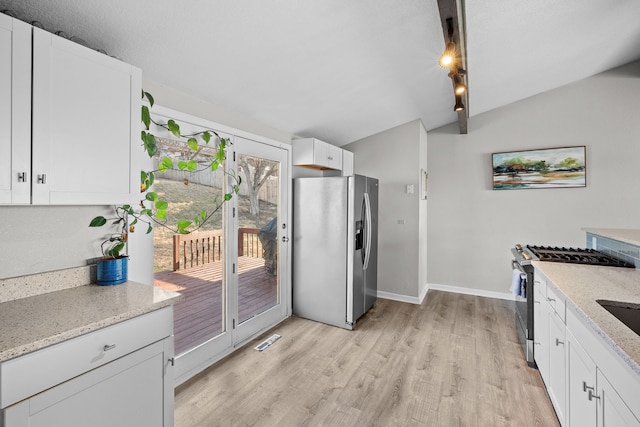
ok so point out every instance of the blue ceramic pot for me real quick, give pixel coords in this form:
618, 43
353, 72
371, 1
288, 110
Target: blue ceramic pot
112, 271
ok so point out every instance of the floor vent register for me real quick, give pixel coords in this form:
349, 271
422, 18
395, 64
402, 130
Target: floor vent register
266, 343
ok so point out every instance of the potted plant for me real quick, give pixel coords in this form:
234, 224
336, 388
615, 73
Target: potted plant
112, 268
151, 210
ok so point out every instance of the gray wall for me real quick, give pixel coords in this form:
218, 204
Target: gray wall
471, 227
395, 157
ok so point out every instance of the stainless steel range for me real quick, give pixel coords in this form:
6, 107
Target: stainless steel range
523, 275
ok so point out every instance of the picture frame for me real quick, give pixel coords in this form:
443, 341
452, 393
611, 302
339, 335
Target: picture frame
562, 167
423, 184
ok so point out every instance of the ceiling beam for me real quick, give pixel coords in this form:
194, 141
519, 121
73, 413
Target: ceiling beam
454, 9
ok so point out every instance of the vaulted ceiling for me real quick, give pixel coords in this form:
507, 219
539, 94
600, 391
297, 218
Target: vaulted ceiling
342, 70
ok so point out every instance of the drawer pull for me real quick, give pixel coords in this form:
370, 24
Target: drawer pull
558, 342
551, 299
108, 347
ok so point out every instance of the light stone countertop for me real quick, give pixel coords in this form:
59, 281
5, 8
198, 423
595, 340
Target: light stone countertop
584, 284
32, 323
623, 235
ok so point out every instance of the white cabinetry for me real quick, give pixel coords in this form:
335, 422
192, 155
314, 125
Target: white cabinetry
587, 382
347, 163
581, 411
15, 111
541, 328
312, 152
120, 375
69, 119
549, 352
614, 410
85, 120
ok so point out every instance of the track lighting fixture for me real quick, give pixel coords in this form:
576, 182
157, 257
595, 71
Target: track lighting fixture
448, 57
458, 82
459, 105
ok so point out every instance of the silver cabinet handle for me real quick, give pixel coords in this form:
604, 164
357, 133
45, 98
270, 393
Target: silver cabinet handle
42, 178
558, 342
22, 177
592, 396
585, 387
551, 299
108, 347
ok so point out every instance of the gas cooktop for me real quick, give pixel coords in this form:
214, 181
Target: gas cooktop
576, 256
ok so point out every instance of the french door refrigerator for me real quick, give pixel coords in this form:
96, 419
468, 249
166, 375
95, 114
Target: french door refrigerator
335, 248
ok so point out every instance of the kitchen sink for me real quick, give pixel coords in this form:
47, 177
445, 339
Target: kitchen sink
627, 313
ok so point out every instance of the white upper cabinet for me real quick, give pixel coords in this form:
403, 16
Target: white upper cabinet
85, 121
15, 111
318, 154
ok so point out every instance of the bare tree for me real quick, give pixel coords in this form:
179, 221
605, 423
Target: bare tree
256, 172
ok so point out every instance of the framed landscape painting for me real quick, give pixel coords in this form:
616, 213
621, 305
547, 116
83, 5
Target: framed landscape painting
546, 168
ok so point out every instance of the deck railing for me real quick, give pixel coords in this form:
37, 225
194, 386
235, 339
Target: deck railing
203, 247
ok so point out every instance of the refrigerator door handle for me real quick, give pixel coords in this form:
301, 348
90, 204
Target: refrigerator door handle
367, 250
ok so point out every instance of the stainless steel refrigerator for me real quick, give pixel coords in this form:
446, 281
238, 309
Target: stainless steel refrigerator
335, 248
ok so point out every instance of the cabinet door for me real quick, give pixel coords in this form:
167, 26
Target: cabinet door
615, 412
86, 113
127, 392
581, 379
557, 372
334, 157
15, 111
541, 332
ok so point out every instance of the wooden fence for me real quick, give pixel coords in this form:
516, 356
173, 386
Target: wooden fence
268, 192
203, 247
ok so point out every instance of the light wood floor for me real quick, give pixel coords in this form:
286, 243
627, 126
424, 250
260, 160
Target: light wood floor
452, 361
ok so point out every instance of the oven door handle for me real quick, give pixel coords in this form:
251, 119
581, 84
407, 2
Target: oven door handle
517, 266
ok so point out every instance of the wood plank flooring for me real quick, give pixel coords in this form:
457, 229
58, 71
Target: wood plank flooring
452, 361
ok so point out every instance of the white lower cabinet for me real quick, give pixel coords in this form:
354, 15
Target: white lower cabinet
125, 392
581, 378
614, 411
117, 376
557, 382
573, 361
549, 351
541, 330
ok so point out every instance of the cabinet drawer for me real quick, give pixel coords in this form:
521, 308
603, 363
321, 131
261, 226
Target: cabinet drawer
27, 375
556, 302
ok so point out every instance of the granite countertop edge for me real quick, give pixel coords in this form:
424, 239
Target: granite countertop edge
617, 336
47, 325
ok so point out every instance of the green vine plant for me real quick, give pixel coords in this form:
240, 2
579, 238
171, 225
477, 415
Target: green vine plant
152, 210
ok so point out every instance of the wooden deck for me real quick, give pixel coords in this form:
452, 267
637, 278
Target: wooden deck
198, 317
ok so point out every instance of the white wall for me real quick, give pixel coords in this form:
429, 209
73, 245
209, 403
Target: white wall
179, 101
394, 157
471, 228
35, 239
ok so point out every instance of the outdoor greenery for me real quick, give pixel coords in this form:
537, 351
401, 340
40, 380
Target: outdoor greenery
152, 209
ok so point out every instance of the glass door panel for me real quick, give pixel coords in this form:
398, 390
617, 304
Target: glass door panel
260, 226
192, 264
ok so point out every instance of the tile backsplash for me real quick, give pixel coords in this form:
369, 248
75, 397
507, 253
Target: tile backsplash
621, 250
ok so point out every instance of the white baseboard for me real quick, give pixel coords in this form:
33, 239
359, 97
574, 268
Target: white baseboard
399, 297
471, 291
445, 288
